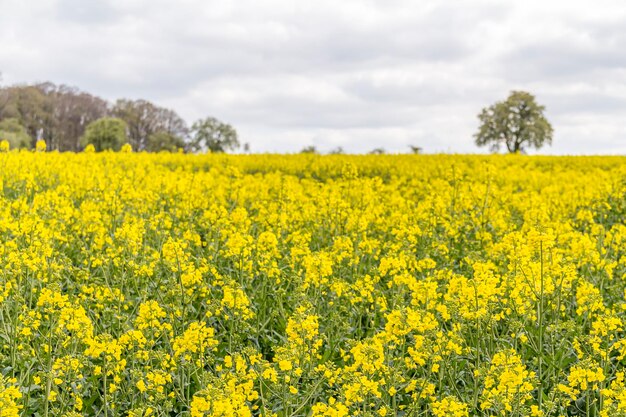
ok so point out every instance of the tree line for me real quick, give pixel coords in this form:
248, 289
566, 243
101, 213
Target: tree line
69, 119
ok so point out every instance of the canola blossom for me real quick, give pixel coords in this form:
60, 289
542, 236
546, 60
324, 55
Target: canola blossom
136, 284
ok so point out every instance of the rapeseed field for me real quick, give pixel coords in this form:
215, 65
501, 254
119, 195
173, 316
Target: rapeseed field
136, 284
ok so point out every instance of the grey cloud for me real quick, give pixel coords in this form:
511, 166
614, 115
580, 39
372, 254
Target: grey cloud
584, 47
586, 102
409, 90
85, 12
562, 59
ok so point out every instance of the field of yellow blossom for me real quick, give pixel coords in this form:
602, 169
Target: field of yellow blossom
136, 284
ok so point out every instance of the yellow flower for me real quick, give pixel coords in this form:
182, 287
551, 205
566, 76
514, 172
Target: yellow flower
449, 407
9, 398
141, 386
285, 365
195, 340
40, 146
508, 382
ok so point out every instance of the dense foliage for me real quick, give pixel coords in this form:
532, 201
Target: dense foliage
305, 285
14, 133
61, 115
215, 136
58, 113
518, 123
107, 133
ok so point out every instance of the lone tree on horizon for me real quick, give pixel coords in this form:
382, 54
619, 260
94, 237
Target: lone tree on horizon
214, 136
518, 123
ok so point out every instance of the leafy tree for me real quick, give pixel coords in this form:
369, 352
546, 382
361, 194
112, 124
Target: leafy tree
212, 135
337, 151
378, 151
15, 133
164, 141
30, 106
415, 149
518, 122
309, 149
105, 133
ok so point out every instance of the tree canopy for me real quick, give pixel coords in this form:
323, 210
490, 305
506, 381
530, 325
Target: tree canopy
57, 113
145, 119
108, 133
309, 149
517, 123
214, 136
164, 141
60, 114
15, 133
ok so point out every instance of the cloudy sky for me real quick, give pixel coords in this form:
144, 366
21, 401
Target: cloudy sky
356, 74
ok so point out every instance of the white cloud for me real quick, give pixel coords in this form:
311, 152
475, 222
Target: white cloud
357, 74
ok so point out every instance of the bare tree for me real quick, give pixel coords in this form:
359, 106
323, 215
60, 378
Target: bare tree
145, 119
59, 114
